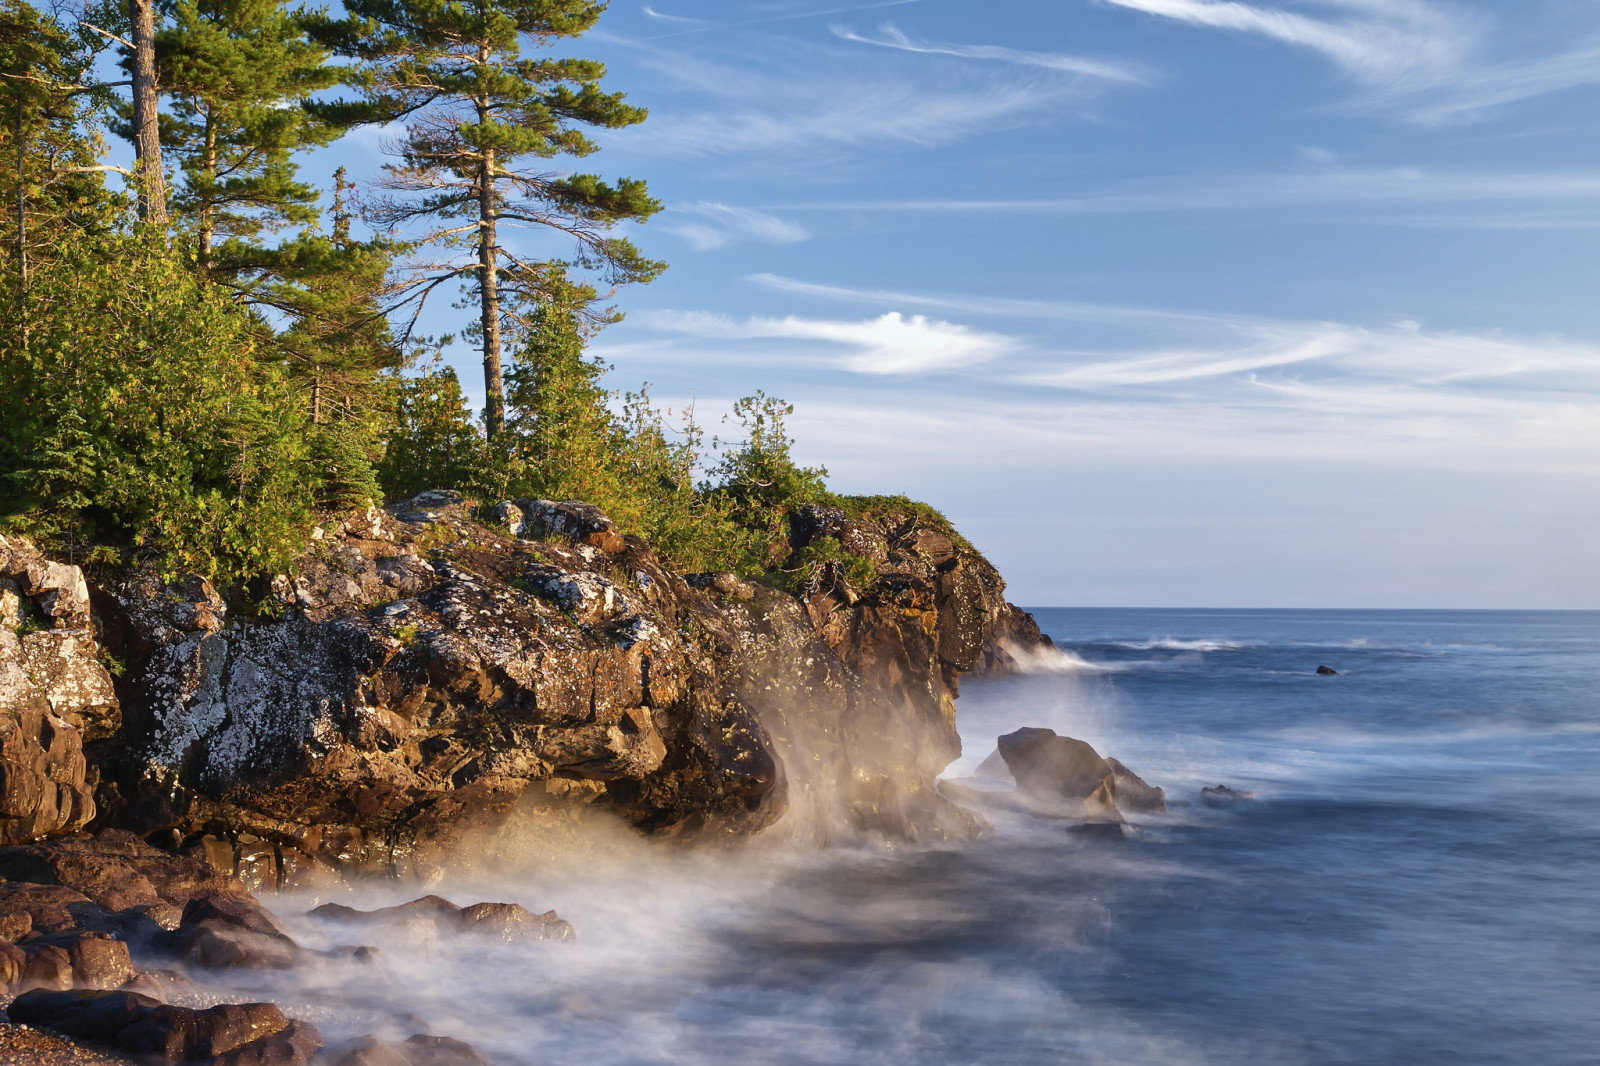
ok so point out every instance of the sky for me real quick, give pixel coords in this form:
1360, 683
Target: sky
1162, 302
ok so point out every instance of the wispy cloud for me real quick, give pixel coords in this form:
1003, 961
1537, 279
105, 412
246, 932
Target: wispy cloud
1427, 197
893, 37
1427, 61
661, 16
889, 344
708, 226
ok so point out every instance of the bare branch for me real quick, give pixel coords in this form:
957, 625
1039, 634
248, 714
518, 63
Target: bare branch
106, 34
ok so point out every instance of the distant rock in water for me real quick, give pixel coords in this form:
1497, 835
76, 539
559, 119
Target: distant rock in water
1222, 795
1048, 765
1327, 671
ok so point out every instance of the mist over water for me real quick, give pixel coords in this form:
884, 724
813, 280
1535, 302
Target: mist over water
1417, 881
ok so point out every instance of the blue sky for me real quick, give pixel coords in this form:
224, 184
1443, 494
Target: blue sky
1163, 302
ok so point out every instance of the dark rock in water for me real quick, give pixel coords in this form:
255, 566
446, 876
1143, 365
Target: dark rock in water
1327, 671
1222, 795
419, 1050
1133, 793
1100, 830
230, 1034
503, 921
1045, 764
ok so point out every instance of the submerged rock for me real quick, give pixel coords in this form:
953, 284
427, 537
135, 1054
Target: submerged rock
1222, 795
418, 1050
503, 921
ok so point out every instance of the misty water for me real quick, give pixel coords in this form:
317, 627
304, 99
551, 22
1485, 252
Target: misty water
1417, 879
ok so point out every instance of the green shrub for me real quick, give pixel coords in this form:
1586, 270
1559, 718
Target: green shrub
144, 409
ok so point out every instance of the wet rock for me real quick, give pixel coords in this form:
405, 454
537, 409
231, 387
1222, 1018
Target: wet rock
75, 959
434, 914
418, 1050
1223, 796
242, 1034
1133, 793
1327, 671
513, 923
118, 871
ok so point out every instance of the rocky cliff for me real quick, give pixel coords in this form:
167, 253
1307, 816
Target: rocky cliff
428, 673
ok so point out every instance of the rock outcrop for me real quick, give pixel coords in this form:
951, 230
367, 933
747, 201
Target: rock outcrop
55, 694
421, 675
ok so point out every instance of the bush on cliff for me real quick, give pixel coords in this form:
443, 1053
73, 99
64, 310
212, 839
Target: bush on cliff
143, 410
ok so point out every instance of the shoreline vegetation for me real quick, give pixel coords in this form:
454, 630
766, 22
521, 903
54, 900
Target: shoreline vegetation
278, 610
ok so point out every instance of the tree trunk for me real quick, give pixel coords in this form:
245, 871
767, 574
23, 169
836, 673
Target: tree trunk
22, 224
494, 408
151, 179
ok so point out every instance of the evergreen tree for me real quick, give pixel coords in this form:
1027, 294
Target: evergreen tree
236, 74
50, 180
476, 108
431, 441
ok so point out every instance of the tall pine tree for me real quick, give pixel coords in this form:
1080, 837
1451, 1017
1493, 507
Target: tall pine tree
236, 74
482, 122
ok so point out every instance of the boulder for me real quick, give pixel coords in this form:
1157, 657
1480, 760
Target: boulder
1223, 796
1045, 764
1327, 671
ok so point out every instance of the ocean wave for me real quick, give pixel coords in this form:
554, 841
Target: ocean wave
1174, 644
1057, 661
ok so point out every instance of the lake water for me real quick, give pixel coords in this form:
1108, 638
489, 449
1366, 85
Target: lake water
1416, 881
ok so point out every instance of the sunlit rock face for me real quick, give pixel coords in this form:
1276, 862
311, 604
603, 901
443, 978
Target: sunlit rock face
55, 694
421, 677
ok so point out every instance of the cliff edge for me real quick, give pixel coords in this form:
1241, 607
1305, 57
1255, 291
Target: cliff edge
427, 673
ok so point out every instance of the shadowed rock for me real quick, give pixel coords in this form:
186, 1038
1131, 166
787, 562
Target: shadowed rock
1223, 796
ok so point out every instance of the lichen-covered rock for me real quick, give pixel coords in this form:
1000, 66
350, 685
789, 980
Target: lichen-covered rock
54, 695
421, 675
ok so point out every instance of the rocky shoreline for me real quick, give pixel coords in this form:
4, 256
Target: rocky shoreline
426, 687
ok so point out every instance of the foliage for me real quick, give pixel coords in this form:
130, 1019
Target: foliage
235, 74
905, 508
48, 141
142, 413
430, 440
758, 479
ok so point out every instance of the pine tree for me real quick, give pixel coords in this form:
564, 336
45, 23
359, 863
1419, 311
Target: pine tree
476, 108
236, 73
50, 179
